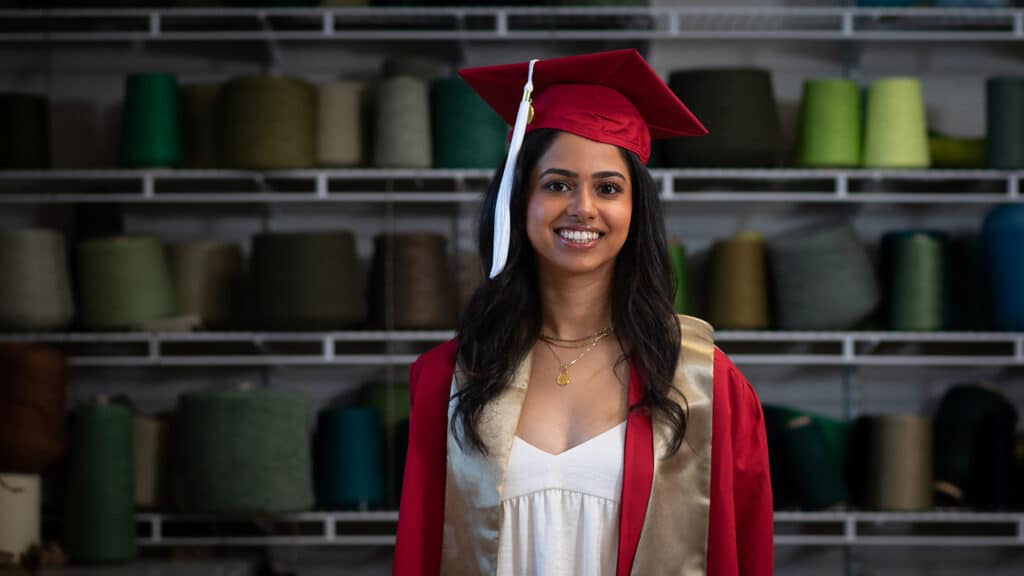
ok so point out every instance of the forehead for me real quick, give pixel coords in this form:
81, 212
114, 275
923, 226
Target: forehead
579, 154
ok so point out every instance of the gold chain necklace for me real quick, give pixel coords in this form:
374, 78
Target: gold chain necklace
563, 368
575, 342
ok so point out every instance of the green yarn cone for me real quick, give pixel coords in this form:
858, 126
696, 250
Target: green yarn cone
124, 282
150, 127
100, 514
917, 276
242, 451
830, 124
681, 301
467, 132
896, 135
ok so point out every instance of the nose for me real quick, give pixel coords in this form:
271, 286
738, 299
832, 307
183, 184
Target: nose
582, 205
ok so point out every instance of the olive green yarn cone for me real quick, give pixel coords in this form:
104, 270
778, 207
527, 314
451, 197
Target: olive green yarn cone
124, 281
100, 503
467, 132
267, 123
150, 127
896, 135
830, 124
24, 132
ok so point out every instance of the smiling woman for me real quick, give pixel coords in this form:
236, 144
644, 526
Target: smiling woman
548, 437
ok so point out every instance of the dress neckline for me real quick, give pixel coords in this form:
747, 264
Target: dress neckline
576, 447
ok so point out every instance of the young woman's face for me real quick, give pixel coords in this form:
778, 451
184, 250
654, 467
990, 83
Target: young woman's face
580, 201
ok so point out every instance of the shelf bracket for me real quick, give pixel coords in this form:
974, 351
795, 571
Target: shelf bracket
148, 185
842, 185
1013, 186
667, 186
328, 24
154, 24
1018, 25
501, 23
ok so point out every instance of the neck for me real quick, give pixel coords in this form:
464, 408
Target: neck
575, 306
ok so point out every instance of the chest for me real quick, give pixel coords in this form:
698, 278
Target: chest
556, 417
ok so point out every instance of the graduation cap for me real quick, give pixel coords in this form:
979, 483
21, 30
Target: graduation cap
611, 97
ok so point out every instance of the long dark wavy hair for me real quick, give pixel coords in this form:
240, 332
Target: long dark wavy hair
502, 320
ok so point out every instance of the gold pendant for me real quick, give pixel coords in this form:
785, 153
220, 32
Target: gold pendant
563, 377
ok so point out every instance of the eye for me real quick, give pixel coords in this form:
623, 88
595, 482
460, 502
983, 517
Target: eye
609, 188
557, 186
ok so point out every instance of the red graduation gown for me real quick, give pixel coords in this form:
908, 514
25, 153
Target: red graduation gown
740, 523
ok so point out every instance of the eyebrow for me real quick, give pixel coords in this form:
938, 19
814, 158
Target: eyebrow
571, 174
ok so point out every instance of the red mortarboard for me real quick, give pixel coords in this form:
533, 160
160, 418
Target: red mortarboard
612, 97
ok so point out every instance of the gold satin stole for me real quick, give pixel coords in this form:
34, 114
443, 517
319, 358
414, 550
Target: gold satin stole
674, 536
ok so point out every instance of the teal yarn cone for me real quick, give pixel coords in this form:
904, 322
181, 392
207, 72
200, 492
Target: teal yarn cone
830, 124
24, 132
467, 132
124, 281
917, 287
100, 502
242, 450
150, 126
1004, 113
349, 468
1004, 236
681, 296
896, 134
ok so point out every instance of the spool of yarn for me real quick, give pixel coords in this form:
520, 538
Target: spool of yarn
207, 280
738, 108
411, 283
814, 461
426, 69
199, 124
896, 135
739, 295
402, 135
956, 153
99, 518
24, 132
467, 131
915, 267
35, 291
899, 463
974, 443
307, 281
1004, 113
150, 128
20, 502
348, 455
340, 132
242, 451
267, 123
681, 297
391, 402
784, 493
824, 278
150, 441
970, 293
1004, 236
830, 124
32, 395
124, 282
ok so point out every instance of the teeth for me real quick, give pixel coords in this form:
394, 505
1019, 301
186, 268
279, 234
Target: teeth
578, 236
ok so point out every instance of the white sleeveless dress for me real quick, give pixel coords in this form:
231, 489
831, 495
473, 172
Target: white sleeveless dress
560, 513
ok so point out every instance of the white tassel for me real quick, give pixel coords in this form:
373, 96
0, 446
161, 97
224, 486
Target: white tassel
502, 210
